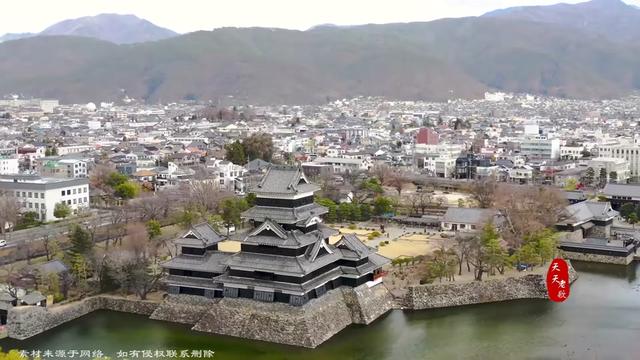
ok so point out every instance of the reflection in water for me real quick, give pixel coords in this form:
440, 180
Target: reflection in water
599, 320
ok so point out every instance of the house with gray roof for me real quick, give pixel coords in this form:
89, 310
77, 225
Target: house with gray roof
469, 219
620, 194
587, 235
592, 219
287, 256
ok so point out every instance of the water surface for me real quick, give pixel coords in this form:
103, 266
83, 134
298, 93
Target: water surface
601, 320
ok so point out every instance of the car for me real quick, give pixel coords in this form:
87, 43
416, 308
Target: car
3, 242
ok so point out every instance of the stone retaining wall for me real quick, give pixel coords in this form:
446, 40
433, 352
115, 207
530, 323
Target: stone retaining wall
451, 294
606, 259
434, 296
368, 303
26, 321
184, 309
309, 325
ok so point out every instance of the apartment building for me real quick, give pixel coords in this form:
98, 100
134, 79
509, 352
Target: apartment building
540, 147
629, 151
41, 194
9, 165
61, 168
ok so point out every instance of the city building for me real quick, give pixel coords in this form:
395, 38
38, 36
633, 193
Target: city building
612, 166
344, 165
540, 147
629, 151
467, 166
427, 136
41, 194
285, 258
9, 165
66, 168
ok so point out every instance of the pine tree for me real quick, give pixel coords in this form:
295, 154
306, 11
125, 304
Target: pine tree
588, 177
80, 241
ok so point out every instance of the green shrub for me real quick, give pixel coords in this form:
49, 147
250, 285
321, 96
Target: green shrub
352, 226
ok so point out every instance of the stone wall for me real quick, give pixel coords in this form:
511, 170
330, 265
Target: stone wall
184, 309
434, 296
606, 259
309, 325
368, 303
476, 292
26, 321
133, 306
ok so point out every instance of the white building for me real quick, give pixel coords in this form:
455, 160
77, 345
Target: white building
629, 151
531, 130
227, 175
65, 168
619, 166
571, 152
438, 159
540, 147
9, 165
496, 96
521, 174
74, 149
430, 151
441, 166
41, 195
344, 165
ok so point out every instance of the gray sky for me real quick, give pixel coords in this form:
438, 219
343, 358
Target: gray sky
190, 15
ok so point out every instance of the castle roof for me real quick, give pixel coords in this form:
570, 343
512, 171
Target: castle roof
281, 179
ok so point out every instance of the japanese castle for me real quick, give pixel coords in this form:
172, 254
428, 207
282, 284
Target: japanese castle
287, 256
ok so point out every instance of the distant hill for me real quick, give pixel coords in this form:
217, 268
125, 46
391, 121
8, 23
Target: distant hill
613, 19
438, 60
12, 36
118, 29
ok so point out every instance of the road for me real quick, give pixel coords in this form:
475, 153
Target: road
53, 230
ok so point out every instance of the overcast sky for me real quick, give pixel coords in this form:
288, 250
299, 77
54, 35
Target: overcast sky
190, 15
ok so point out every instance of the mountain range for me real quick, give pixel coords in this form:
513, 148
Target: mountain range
118, 29
529, 49
612, 19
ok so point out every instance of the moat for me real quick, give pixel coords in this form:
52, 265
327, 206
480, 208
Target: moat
600, 320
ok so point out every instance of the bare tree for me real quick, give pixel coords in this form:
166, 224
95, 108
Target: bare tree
462, 249
46, 243
477, 256
383, 172
152, 207
424, 201
483, 191
116, 230
135, 265
92, 225
137, 241
527, 210
205, 196
9, 211
397, 181
100, 175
